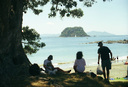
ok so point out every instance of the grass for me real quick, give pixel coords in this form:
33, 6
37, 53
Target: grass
119, 79
64, 80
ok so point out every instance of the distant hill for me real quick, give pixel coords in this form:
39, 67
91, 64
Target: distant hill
73, 32
97, 33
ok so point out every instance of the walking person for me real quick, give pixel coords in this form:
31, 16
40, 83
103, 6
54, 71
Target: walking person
104, 53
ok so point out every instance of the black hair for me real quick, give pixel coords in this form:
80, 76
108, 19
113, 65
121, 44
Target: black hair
100, 44
79, 55
50, 57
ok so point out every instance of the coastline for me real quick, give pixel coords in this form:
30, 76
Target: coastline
118, 70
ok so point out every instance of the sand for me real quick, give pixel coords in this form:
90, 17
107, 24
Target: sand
118, 70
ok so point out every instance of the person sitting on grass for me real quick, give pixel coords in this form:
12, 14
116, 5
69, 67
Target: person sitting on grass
50, 69
79, 65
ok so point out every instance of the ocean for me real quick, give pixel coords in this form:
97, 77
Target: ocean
64, 49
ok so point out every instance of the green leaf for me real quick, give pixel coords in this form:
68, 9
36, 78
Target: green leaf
31, 40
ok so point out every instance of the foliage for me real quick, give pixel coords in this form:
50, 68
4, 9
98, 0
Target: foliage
63, 7
73, 32
31, 40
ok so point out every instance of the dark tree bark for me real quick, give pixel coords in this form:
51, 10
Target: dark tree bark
13, 60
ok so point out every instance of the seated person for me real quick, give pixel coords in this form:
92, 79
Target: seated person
50, 69
79, 65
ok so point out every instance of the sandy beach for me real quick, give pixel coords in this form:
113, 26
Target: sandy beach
118, 70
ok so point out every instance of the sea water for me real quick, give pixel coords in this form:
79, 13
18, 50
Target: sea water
64, 49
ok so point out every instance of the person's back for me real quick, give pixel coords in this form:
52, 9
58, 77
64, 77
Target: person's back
80, 63
104, 51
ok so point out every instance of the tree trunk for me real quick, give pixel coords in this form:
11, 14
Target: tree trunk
13, 60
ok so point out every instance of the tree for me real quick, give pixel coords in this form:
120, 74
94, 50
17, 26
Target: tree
31, 40
13, 61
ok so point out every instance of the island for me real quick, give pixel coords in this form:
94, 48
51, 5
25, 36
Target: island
73, 32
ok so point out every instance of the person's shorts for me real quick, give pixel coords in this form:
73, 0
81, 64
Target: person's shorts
107, 64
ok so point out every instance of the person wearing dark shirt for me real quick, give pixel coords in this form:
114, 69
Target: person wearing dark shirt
104, 53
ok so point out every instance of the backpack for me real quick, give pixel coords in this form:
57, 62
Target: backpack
93, 75
34, 69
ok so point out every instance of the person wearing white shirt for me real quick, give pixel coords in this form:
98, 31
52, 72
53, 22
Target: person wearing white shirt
50, 69
79, 65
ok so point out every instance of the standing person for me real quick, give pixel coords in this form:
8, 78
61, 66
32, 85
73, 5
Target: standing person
50, 69
127, 59
79, 65
103, 53
117, 58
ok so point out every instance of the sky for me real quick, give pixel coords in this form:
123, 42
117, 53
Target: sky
110, 16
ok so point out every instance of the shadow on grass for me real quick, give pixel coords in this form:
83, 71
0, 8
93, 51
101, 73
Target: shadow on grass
30, 81
76, 80
63, 80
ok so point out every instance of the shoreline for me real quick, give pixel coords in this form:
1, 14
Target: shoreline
118, 70
63, 65
120, 59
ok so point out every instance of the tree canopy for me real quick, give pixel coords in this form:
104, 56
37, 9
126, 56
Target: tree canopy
63, 7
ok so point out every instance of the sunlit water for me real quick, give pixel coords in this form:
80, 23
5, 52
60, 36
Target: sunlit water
64, 49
